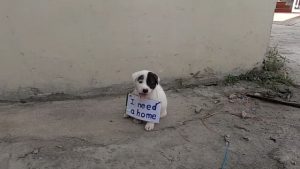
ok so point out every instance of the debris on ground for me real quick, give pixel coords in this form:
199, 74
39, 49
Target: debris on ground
217, 101
232, 96
242, 128
243, 114
293, 104
198, 109
35, 151
246, 138
273, 139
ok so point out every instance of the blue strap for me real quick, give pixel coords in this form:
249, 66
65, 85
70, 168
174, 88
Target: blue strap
225, 156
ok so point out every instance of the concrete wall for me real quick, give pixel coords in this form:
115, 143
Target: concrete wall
74, 45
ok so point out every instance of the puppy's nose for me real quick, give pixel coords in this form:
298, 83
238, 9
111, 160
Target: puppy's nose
145, 90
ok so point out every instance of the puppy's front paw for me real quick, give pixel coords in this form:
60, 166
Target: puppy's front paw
149, 126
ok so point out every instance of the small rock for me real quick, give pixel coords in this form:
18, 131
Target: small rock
217, 101
231, 101
111, 121
243, 114
288, 97
257, 94
232, 96
226, 138
246, 138
293, 162
273, 139
59, 146
198, 109
35, 151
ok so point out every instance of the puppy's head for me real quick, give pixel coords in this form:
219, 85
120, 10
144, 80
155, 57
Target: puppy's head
145, 82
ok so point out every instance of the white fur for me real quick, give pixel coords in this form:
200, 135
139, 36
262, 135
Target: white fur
156, 94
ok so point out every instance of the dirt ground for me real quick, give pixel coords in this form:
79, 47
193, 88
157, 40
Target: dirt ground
92, 133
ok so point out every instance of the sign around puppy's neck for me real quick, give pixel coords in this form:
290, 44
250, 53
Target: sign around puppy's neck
143, 109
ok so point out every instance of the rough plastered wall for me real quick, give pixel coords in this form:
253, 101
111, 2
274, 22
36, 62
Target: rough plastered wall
75, 45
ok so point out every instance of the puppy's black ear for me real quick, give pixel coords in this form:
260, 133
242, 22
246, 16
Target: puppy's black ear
152, 80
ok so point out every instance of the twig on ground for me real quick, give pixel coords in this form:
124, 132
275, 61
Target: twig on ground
183, 137
243, 117
166, 157
293, 104
242, 128
208, 116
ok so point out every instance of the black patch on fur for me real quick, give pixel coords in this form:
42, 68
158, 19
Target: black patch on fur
152, 80
140, 79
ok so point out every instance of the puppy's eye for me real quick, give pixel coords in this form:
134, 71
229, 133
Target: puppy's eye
140, 81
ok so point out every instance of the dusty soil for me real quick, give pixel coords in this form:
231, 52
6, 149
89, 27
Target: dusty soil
92, 133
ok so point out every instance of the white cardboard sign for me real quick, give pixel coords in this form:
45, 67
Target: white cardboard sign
143, 109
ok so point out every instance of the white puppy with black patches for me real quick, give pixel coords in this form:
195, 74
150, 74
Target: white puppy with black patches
147, 87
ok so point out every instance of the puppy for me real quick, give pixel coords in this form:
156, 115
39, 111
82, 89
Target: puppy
147, 87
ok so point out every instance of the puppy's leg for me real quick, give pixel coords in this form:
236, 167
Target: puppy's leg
149, 126
163, 113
